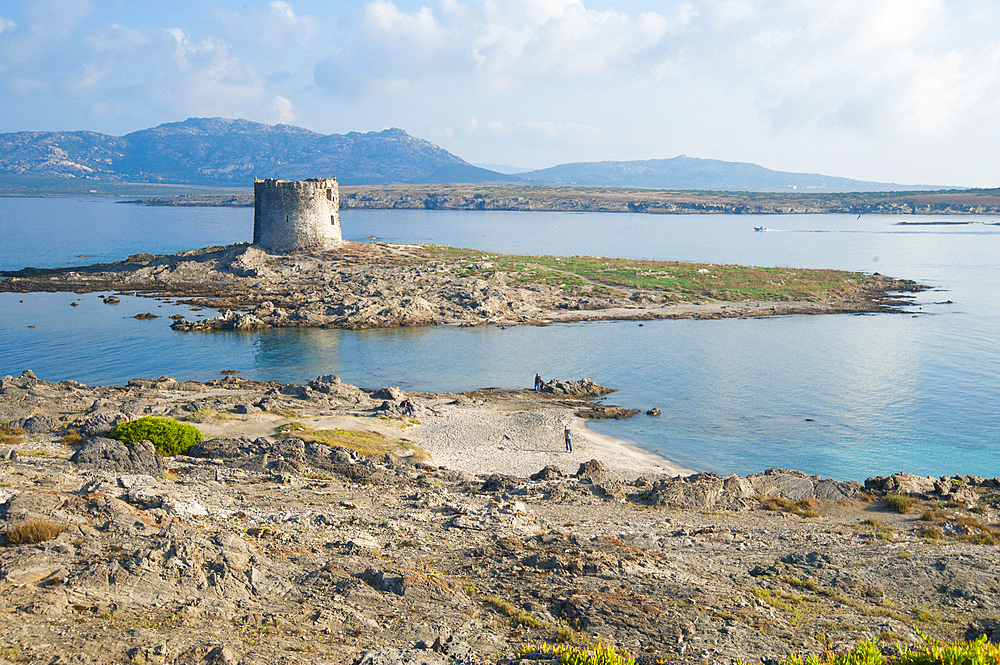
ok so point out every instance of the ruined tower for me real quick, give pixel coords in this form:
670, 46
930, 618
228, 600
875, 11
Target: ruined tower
296, 215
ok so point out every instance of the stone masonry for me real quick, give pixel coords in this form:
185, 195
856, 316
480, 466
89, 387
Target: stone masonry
296, 215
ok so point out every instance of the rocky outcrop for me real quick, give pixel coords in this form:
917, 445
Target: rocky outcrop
379, 285
709, 491
117, 457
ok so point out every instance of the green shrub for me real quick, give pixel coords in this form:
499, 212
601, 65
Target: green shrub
976, 652
901, 503
571, 655
169, 437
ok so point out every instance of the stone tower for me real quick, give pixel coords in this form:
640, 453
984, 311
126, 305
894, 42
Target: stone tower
296, 215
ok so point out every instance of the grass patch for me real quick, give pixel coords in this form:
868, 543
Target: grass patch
362, 442
207, 415
680, 281
877, 529
517, 616
10, 435
71, 437
807, 507
33, 530
901, 503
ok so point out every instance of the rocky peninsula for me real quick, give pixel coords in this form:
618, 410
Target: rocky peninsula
317, 523
368, 285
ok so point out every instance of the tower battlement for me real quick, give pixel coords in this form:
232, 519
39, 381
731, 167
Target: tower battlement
296, 215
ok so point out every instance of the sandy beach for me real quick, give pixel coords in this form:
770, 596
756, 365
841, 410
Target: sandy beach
509, 432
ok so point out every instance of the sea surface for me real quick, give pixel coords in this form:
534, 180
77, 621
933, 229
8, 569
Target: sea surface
845, 396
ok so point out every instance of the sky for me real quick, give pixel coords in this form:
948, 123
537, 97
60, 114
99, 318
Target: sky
904, 91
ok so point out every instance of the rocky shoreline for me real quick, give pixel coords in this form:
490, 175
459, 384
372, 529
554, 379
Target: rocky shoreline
369, 285
542, 198
261, 545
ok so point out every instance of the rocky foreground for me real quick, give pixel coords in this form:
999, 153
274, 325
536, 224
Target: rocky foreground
375, 285
262, 547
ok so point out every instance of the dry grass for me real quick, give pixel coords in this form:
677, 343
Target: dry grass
33, 530
10, 435
362, 442
807, 507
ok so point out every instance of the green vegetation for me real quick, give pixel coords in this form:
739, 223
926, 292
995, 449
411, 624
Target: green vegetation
679, 281
169, 437
807, 507
977, 652
207, 415
33, 530
570, 655
365, 443
901, 503
517, 617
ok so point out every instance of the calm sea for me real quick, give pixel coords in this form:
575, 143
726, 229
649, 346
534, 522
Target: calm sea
847, 396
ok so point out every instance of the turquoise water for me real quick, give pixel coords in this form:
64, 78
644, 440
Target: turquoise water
839, 395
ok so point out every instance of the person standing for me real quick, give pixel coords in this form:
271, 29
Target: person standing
568, 435
538, 383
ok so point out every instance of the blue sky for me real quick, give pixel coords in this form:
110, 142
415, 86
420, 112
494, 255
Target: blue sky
902, 91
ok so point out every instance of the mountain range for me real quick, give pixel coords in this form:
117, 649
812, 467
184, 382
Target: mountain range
224, 152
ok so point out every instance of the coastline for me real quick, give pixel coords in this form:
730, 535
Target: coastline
259, 546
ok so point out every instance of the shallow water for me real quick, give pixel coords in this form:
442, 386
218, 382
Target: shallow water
847, 396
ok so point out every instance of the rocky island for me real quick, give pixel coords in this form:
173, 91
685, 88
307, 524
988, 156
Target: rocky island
369, 285
318, 523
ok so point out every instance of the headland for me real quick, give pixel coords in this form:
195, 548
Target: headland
319, 523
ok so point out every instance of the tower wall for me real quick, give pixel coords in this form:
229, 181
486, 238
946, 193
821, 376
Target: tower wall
296, 215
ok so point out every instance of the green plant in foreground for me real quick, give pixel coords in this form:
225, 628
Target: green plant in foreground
169, 437
570, 655
977, 652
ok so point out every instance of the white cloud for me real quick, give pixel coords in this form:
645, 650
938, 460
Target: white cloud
281, 110
6, 24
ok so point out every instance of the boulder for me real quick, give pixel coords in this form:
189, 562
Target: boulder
901, 483
590, 469
549, 473
100, 422
582, 388
392, 394
117, 457
36, 424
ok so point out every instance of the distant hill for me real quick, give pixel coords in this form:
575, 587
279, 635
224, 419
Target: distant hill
218, 151
691, 173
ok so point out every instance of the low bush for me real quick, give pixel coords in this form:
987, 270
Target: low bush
169, 437
571, 655
33, 530
976, 652
901, 503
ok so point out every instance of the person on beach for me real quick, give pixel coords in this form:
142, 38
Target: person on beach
538, 383
407, 407
569, 438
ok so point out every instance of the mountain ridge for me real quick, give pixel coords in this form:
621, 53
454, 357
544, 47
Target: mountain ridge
231, 152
